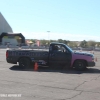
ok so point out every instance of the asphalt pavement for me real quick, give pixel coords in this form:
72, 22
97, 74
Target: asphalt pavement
46, 84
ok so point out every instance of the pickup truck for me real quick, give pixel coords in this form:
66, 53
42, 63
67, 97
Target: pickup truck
58, 54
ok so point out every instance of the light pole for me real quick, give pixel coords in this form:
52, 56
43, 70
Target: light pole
48, 37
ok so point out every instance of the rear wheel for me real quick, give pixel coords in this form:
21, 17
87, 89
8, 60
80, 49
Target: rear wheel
80, 65
24, 63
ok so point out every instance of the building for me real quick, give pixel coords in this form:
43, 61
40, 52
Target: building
29, 42
38, 43
6, 34
4, 25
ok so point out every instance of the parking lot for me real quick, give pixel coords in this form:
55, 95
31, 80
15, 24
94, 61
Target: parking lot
48, 84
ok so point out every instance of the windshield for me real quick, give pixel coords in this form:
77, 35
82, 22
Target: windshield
69, 48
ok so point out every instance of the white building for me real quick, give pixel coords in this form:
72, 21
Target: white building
4, 25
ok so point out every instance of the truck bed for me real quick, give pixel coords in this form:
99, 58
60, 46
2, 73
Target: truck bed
15, 55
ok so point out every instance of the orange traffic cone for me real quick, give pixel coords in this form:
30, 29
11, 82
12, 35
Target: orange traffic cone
36, 67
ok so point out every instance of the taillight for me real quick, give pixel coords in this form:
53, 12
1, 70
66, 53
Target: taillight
6, 54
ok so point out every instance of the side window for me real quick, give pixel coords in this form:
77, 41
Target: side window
58, 48
63, 49
54, 48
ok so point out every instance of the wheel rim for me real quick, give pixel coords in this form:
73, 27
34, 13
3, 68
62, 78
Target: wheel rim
80, 65
23, 63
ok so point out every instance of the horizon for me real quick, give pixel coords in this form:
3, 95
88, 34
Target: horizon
63, 36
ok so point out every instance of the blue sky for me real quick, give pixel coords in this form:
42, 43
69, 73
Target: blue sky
66, 19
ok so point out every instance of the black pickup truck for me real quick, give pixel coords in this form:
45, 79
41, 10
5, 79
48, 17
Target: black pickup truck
58, 54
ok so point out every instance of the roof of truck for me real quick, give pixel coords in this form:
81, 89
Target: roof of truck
56, 43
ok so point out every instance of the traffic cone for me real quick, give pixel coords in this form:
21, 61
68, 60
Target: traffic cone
35, 66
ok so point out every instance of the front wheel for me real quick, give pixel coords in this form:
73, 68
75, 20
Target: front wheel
80, 65
24, 63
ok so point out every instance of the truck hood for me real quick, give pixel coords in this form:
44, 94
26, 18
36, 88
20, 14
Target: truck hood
83, 53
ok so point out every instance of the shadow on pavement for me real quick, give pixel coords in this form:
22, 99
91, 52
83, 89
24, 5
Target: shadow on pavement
65, 71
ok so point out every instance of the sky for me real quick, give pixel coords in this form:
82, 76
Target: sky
74, 20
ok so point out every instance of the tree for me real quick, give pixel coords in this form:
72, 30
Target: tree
83, 44
53, 41
91, 43
43, 42
97, 44
72, 44
65, 41
60, 40
33, 40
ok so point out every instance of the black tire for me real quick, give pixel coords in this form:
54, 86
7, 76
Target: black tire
24, 63
80, 65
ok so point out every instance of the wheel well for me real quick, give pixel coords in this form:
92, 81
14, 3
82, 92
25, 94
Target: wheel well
80, 60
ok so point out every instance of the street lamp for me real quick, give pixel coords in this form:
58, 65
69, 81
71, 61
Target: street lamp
48, 36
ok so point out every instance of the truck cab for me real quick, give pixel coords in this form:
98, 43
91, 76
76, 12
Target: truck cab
59, 54
63, 55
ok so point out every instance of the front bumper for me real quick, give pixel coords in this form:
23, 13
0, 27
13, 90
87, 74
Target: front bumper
91, 64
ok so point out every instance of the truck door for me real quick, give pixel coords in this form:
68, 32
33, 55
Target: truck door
59, 55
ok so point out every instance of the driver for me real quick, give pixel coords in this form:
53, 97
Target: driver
55, 48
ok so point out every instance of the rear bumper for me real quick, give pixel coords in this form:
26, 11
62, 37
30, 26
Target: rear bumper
11, 61
91, 64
